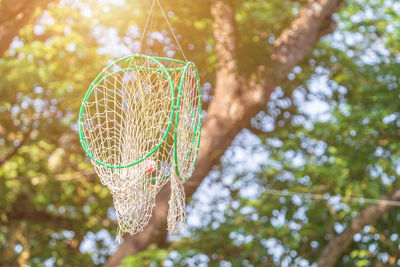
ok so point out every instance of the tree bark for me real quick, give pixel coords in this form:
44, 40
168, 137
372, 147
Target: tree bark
236, 101
14, 15
337, 245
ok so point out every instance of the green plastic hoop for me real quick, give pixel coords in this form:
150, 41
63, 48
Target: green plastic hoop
196, 138
173, 115
96, 81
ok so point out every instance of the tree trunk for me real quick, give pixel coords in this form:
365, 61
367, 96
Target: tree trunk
236, 102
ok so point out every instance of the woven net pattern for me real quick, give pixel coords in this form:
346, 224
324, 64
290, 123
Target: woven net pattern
189, 124
130, 128
187, 135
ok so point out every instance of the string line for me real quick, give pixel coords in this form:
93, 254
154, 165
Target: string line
327, 197
147, 22
284, 193
172, 31
169, 25
149, 33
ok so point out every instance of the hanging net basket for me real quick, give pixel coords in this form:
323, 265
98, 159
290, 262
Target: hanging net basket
140, 124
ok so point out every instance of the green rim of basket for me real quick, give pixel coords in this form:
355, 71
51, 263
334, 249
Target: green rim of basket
197, 133
175, 104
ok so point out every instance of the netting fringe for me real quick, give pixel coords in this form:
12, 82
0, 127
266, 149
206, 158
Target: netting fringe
176, 213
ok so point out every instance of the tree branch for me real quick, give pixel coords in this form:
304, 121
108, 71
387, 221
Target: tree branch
15, 14
22, 210
40, 217
304, 33
337, 245
235, 102
25, 138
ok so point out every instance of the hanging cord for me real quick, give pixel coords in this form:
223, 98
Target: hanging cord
172, 31
145, 27
169, 25
149, 34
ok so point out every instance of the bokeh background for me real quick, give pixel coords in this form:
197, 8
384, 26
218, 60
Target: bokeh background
301, 181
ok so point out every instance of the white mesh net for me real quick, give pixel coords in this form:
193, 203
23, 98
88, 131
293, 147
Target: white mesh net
187, 138
129, 127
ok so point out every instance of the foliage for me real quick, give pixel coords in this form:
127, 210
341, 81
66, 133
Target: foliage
350, 151
149, 257
51, 201
47, 205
